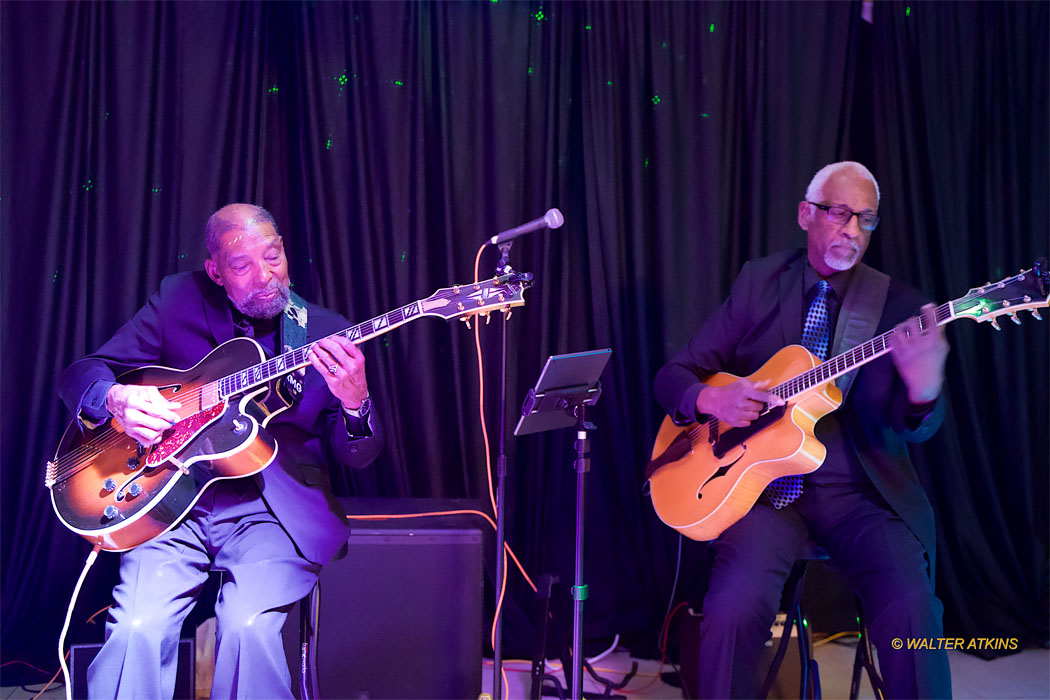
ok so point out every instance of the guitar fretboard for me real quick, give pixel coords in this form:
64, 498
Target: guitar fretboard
841, 364
260, 374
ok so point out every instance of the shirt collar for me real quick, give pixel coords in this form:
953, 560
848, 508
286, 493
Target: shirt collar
839, 281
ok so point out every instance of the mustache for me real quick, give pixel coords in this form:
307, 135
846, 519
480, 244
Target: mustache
273, 286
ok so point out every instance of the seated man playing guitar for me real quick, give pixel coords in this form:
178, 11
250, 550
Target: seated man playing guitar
864, 504
270, 532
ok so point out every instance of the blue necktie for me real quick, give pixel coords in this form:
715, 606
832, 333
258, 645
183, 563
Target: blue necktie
815, 334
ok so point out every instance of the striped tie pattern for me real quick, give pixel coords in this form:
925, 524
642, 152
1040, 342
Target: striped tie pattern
816, 332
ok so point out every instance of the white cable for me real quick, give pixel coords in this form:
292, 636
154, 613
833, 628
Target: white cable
592, 660
69, 614
674, 587
611, 649
674, 584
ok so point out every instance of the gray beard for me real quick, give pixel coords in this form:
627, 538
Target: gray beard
838, 261
256, 307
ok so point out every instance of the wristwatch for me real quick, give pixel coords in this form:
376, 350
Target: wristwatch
362, 410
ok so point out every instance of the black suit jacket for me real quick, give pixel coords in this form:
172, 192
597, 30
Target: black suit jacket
188, 317
762, 314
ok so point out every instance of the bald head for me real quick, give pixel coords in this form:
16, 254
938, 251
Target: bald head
246, 258
234, 217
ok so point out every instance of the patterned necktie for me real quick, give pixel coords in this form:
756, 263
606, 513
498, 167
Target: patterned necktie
815, 334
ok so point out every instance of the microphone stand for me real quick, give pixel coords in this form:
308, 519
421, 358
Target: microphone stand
502, 268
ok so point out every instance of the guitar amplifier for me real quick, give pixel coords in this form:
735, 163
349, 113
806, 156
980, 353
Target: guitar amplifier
399, 617
81, 656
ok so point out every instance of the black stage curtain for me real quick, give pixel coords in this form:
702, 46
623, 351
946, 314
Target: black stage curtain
391, 139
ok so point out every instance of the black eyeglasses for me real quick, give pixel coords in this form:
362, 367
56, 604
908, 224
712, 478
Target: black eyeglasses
841, 215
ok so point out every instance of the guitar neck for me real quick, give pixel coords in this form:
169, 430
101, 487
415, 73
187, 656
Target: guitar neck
839, 365
264, 372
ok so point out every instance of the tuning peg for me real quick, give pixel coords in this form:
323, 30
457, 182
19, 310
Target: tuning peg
1013, 317
488, 318
507, 311
995, 325
1035, 313
466, 320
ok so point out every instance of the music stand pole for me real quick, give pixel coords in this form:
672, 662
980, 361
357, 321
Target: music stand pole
579, 589
567, 385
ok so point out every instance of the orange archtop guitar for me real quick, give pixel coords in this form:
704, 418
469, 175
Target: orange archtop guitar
703, 477
118, 494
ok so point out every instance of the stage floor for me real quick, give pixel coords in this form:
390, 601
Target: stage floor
1024, 675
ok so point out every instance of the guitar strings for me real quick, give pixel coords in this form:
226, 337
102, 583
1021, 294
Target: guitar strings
228, 387
823, 372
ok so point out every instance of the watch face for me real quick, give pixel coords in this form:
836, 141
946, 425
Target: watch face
365, 407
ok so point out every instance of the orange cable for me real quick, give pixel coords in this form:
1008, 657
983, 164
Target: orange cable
96, 614
24, 663
481, 390
664, 629
488, 474
52, 679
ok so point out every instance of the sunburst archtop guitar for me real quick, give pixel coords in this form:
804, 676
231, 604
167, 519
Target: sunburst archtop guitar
703, 477
117, 494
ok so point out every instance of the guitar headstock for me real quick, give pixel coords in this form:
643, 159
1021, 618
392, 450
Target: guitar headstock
1028, 290
463, 301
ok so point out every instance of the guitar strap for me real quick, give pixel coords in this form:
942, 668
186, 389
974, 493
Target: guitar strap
293, 323
859, 316
293, 335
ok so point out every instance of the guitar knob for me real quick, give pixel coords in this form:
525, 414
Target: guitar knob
1035, 313
110, 512
134, 490
109, 485
133, 462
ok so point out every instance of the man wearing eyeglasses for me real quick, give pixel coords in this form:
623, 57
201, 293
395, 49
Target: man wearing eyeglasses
864, 505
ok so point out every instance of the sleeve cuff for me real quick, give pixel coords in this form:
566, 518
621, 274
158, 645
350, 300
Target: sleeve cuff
93, 411
687, 406
915, 414
358, 422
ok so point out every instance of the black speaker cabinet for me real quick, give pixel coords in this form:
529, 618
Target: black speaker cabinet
399, 617
81, 656
788, 676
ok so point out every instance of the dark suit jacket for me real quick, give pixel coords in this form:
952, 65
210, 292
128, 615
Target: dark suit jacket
762, 314
182, 323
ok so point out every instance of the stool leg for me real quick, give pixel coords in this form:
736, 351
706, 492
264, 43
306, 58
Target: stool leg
858, 664
863, 659
809, 682
794, 614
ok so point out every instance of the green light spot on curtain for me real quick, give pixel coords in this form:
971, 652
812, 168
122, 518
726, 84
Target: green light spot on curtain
656, 99
711, 29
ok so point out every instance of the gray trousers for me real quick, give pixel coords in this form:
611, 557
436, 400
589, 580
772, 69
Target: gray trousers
230, 530
882, 560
